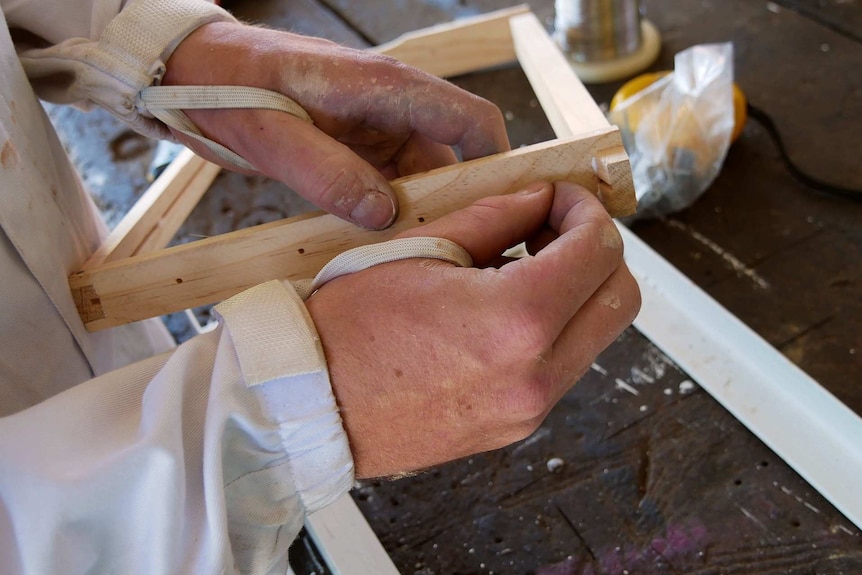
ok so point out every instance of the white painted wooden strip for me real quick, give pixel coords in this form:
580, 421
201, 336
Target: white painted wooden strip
814, 432
346, 541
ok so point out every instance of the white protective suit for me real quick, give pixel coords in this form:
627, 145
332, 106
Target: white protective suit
200, 460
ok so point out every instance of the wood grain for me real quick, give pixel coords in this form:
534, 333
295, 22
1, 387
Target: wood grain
213, 269
160, 211
458, 47
569, 107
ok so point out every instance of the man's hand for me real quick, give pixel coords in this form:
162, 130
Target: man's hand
374, 118
430, 362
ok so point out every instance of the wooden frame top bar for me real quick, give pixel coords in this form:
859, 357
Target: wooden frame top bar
131, 278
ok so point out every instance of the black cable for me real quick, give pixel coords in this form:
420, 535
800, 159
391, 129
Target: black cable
810, 181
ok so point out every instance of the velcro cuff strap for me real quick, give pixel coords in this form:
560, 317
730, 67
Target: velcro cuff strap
273, 333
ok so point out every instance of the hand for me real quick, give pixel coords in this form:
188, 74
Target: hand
430, 362
374, 118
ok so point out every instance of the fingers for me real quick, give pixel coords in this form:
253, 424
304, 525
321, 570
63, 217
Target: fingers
457, 118
554, 284
491, 225
381, 93
449, 115
420, 154
610, 310
396, 117
318, 168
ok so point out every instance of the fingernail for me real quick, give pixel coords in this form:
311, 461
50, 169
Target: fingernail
375, 211
533, 188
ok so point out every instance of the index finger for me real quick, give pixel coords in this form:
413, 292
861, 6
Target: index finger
458, 118
406, 97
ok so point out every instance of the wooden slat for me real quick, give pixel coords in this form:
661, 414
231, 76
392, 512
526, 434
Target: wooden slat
346, 541
160, 211
458, 47
567, 103
570, 108
796, 417
616, 188
213, 269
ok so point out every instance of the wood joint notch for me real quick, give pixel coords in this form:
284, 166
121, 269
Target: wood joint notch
616, 188
88, 302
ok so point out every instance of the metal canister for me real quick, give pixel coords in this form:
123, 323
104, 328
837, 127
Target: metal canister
598, 30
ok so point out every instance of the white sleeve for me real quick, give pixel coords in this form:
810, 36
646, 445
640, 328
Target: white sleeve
204, 460
103, 51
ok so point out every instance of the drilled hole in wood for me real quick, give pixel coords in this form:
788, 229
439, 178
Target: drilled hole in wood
179, 280
301, 251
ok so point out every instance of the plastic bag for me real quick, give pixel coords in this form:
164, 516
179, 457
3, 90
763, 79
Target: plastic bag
677, 130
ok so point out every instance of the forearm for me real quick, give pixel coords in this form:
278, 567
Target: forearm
195, 461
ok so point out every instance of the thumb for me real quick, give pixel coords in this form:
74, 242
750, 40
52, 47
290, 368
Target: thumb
491, 225
317, 167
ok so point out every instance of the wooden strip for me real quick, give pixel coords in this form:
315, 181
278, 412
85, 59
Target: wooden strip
616, 188
213, 269
458, 47
167, 226
567, 103
160, 211
570, 108
816, 434
346, 541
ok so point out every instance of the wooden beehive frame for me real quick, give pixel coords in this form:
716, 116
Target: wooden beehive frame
131, 277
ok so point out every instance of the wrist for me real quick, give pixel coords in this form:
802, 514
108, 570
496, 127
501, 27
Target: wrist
220, 53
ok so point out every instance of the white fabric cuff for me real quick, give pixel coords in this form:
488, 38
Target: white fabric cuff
282, 360
130, 56
132, 52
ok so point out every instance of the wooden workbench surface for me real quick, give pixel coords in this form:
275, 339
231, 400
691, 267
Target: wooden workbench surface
662, 480
666, 481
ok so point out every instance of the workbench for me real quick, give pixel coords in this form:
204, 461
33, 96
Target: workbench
638, 470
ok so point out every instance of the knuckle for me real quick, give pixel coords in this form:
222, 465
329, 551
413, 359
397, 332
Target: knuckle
529, 400
519, 432
484, 212
384, 61
606, 233
525, 335
335, 187
604, 239
631, 294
